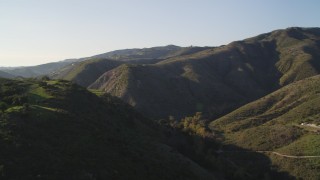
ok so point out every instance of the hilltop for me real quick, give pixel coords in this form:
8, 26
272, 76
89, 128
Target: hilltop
159, 52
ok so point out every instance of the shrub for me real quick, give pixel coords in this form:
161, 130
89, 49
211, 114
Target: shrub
3, 106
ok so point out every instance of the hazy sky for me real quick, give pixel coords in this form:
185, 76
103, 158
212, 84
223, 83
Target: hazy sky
39, 31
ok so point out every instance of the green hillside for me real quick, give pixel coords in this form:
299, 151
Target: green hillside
217, 80
58, 130
285, 122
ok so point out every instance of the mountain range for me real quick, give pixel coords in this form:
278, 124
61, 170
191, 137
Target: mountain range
246, 110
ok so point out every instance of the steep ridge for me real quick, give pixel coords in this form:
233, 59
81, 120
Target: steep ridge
58, 130
284, 122
85, 72
217, 80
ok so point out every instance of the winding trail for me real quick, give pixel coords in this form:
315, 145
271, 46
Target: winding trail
288, 156
272, 152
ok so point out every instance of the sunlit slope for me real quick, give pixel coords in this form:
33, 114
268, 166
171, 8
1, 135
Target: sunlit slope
285, 121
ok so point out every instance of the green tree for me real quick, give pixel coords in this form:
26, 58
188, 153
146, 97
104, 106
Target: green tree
25, 109
45, 78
